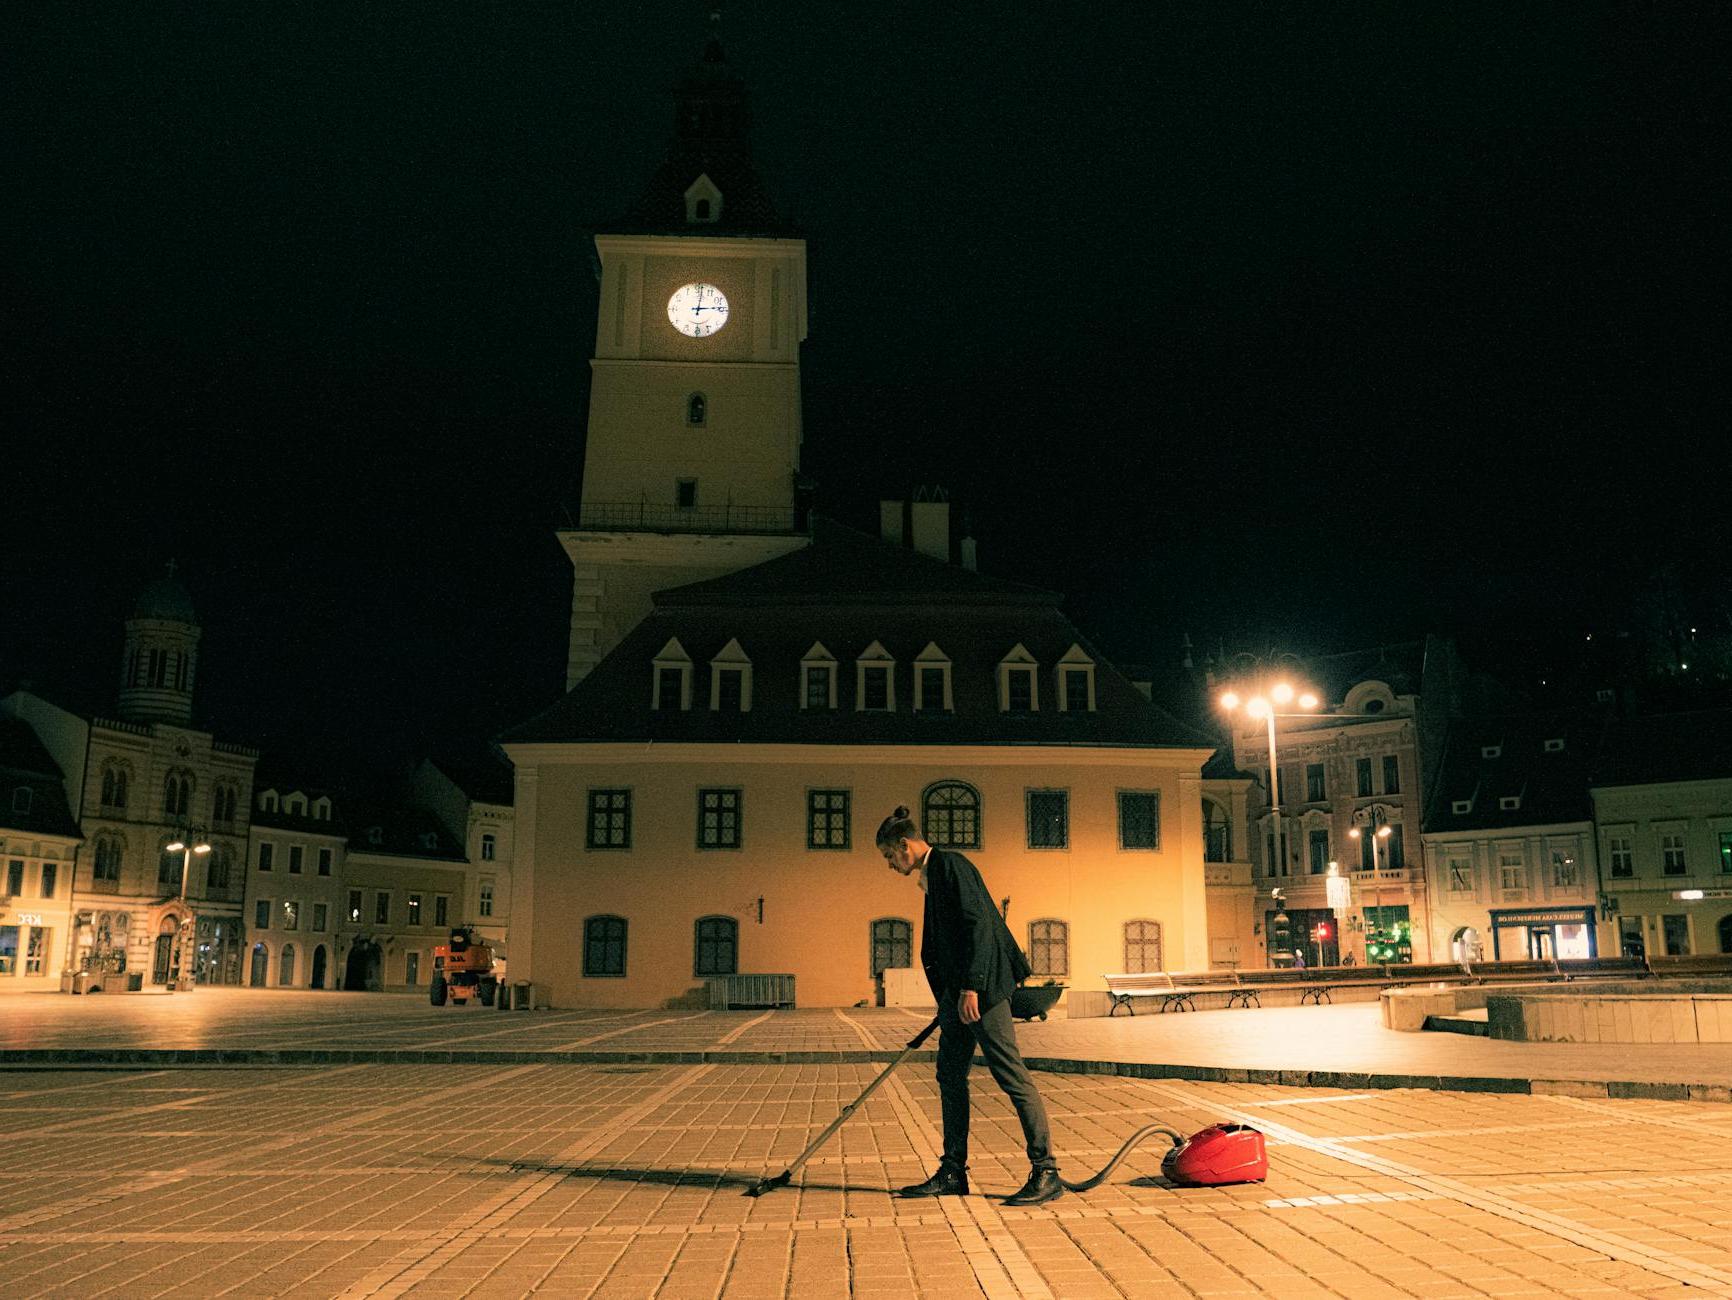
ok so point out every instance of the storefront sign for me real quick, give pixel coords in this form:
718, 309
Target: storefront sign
1540, 916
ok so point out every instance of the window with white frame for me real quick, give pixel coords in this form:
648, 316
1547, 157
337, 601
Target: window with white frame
932, 691
818, 678
731, 680
1621, 855
875, 681
489, 843
1460, 876
1511, 870
1075, 682
486, 905
1672, 851
1018, 688
671, 681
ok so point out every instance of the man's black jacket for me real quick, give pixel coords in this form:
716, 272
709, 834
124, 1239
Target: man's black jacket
964, 942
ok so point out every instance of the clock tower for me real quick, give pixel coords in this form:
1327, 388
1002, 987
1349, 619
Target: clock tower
693, 448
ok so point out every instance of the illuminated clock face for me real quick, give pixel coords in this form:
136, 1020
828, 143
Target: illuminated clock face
698, 310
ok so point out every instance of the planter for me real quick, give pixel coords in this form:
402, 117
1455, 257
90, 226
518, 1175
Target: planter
1035, 1002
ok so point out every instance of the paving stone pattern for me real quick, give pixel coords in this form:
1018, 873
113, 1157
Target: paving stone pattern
624, 1179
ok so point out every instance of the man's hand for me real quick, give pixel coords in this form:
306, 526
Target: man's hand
968, 1006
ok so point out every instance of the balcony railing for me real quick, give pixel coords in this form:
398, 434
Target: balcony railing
641, 516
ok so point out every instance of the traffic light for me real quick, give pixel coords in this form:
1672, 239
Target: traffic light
1321, 932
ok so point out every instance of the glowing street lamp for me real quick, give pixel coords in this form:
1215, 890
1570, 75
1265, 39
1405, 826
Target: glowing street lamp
189, 931
1262, 705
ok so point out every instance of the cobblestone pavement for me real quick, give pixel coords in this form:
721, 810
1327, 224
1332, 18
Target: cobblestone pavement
625, 1180
1346, 1039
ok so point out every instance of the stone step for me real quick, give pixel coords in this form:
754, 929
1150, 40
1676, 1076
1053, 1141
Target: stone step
1472, 1023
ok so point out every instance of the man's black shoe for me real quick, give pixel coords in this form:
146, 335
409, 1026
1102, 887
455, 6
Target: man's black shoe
948, 1181
1042, 1186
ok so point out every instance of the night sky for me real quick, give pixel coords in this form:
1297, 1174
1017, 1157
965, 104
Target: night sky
1306, 325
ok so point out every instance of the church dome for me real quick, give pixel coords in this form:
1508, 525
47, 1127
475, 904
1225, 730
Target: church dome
164, 598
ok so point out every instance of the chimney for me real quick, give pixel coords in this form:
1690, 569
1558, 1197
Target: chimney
968, 557
890, 521
931, 519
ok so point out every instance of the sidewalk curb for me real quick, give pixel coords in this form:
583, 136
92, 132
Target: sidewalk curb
158, 1058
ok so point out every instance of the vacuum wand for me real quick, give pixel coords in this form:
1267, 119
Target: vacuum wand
781, 1180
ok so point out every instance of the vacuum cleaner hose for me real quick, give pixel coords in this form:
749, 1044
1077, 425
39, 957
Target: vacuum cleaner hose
1124, 1151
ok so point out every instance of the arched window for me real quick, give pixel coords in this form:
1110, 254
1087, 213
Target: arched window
109, 849
1049, 947
697, 408
1142, 946
217, 867
286, 966
1217, 833
113, 785
950, 815
223, 802
604, 946
168, 866
892, 944
261, 963
177, 794
716, 946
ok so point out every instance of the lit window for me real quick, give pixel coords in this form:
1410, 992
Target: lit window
414, 909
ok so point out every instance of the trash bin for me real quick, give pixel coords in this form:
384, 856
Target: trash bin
523, 996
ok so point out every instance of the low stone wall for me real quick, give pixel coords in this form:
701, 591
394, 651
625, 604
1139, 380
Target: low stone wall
1608, 1016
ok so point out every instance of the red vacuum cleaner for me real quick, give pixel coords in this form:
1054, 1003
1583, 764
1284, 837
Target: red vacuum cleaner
1218, 1156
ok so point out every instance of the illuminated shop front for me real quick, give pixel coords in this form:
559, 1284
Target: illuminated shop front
1542, 933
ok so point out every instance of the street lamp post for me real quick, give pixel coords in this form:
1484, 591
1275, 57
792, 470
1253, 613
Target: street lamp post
1379, 831
1262, 706
189, 927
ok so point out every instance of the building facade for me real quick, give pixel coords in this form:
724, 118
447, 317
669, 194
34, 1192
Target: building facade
1662, 799
143, 911
1511, 855
295, 879
404, 886
1349, 795
39, 844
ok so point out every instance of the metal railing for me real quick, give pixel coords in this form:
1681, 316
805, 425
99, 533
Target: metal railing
642, 516
751, 991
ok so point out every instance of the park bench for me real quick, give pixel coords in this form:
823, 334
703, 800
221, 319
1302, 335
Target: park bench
1177, 991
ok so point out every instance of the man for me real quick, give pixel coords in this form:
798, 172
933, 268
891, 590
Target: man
972, 964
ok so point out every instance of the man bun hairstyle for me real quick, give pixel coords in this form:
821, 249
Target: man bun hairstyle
899, 825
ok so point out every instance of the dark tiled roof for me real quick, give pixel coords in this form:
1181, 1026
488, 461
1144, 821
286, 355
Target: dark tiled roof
1222, 768
24, 762
846, 591
712, 126
484, 777
1551, 785
1401, 666
1693, 746
403, 832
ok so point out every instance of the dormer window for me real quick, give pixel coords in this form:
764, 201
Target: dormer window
671, 680
874, 681
703, 202
268, 801
21, 799
322, 809
375, 835
295, 805
932, 691
1017, 689
1461, 807
1491, 751
731, 680
818, 678
1555, 745
697, 409
1509, 802
1076, 682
